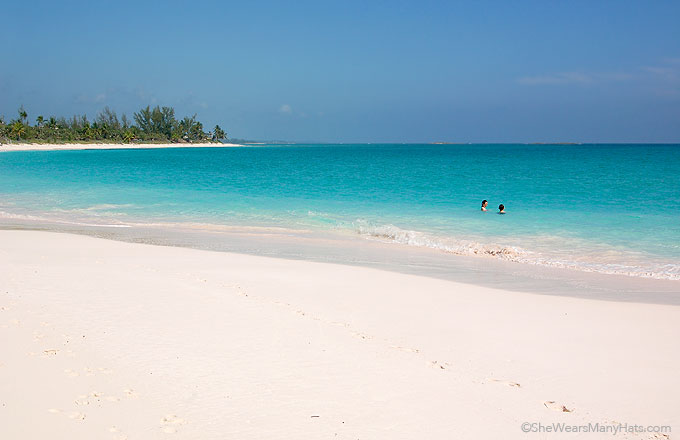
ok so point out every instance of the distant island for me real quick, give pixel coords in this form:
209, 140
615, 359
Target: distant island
258, 142
150, 125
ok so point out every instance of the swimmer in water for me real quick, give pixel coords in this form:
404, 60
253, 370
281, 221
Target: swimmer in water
501, 209
484, 203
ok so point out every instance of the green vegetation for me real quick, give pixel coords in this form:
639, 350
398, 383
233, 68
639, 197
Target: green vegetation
156, 124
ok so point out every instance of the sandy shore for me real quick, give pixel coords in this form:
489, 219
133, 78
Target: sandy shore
50, 147
112, 340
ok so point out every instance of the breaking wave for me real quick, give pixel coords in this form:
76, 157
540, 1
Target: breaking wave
395, 234
544, 251
392, 234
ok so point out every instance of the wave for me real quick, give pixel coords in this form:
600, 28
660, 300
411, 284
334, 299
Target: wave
393, 234
415, 238
34, 218
107, 207
104, 209
549, 251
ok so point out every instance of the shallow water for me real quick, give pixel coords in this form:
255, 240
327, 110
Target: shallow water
598, 208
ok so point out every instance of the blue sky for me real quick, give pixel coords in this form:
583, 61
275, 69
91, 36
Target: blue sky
357, 71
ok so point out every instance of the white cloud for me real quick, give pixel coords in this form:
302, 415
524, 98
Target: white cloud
669, 73
668, 70
616, 76
286, 109
575, 78
557, 78
665, 78
85, 98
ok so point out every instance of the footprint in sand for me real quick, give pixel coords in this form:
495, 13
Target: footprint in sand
71, 373
75, 415
117, 434
130, 393
506, 382
361, 335
240, 292
88, 371
406, 349
95, 397
82, 400
171, 423
551, 404
436, 364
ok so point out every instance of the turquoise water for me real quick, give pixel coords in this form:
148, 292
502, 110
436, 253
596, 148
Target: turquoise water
605, 208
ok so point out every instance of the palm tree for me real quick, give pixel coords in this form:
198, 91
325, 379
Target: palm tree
39, 123
18, 130
218, 134
23, 116
128, 136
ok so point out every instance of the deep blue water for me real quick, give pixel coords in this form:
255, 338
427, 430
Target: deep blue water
610, 208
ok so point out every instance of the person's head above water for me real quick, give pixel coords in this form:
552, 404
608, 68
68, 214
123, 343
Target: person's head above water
484, 203
501, 208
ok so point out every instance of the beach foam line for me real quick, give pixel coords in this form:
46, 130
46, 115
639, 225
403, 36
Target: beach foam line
29, 217
393, 234
386, 233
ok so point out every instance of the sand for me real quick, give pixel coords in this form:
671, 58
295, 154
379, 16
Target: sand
111, 340
94, 146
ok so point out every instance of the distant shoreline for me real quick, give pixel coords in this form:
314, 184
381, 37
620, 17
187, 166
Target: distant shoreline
109, 146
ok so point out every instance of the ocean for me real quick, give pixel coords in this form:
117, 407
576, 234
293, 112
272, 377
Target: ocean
598, 208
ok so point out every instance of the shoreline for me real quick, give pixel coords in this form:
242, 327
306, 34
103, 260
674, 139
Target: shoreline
131, 340
104, 146
357, 251
98, 217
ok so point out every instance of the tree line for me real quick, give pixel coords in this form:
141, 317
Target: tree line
157, 124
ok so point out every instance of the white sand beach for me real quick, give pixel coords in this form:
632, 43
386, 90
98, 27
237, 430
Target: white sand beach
111, 340
95, 146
